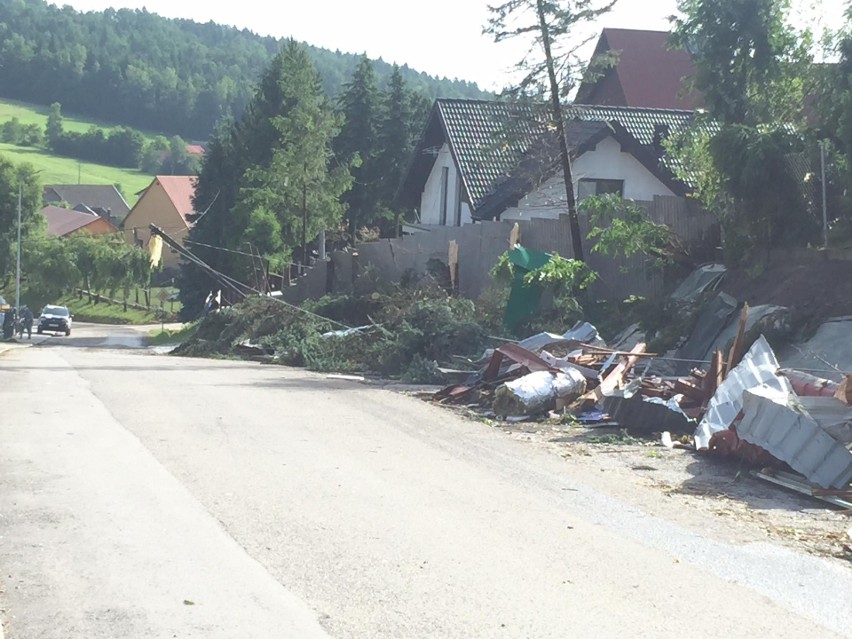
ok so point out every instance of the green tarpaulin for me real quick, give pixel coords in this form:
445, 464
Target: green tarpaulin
523, 299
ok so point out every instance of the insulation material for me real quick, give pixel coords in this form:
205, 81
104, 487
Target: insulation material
537, 392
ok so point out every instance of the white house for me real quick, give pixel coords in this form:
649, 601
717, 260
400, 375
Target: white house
492, 160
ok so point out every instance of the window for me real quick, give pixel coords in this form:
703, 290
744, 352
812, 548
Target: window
458, 200
590, 186
445, 178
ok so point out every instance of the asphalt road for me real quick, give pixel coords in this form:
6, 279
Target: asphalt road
151, 496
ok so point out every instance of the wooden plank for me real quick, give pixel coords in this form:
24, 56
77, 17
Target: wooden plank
514, 236
712, 378
614, 378
720, 370
844, 391
689, 390
454, 263
736, 352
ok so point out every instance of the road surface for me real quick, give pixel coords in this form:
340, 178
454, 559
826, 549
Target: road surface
153, 496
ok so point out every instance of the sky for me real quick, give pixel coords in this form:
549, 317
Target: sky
440, 37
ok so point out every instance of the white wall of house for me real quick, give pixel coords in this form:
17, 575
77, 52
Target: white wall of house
606, 162
431, 198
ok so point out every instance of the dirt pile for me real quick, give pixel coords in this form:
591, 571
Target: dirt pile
814, 292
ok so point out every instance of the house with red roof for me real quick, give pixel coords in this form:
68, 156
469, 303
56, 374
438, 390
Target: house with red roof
648, 73
480, 160
167, 202
62, 222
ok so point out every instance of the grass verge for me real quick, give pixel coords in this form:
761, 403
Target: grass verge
167, 337
105, 313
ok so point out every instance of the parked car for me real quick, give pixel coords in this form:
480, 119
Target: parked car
56, 319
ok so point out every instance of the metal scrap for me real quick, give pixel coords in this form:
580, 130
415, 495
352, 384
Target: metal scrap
646, 414
758, 367
784, 428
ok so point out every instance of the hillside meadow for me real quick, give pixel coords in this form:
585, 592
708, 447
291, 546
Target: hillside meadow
61, 170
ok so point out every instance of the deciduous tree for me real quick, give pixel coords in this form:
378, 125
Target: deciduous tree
750, 63
12, 178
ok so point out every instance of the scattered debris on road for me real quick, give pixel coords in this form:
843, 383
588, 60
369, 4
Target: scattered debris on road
719, 391
788, 424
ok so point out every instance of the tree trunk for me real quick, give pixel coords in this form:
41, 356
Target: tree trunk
559, 120
304, 228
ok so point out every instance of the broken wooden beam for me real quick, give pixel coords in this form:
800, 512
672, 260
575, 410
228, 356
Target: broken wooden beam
737, 351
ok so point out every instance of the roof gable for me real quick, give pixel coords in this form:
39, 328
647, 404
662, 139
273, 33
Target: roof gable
180, 189
502, 150
489, 141
62, 222
647, 73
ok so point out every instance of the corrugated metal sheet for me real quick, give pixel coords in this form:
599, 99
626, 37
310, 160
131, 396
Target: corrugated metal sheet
719, 313
757, 368
701, 279
832, 415
784, 428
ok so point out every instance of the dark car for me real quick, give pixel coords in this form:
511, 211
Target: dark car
56, 319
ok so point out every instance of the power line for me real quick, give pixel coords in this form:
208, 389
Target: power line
233, 283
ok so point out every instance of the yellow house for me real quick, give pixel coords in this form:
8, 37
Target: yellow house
167, 202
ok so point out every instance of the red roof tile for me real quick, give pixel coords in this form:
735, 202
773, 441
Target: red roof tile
181, 190
62, 222
648, 74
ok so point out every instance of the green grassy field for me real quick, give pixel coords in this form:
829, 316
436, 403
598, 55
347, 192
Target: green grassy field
36, 114
60, 170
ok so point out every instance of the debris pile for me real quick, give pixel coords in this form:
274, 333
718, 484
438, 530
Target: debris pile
400, 332
547, 372
743, 404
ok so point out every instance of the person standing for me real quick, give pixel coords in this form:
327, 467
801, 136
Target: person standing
27, 321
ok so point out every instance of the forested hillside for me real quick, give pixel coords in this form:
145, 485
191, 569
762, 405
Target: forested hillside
142, 70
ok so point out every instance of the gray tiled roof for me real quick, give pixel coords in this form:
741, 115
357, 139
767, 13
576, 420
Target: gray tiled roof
491, 139
641, 123
98, 197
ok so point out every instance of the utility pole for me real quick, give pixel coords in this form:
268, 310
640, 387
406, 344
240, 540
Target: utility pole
824, 202
18, 269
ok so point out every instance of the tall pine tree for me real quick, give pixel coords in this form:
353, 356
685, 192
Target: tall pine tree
301, 186
360, 106
552, 67
238, 194
400, 124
